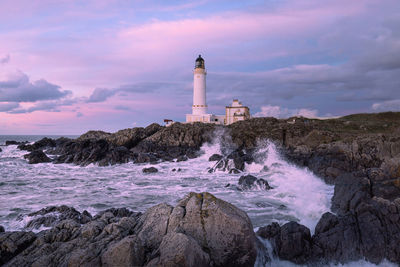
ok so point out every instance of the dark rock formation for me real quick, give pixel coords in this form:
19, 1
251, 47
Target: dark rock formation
13, 142
369, 229
37, 156
215, 157
200, 231
291, 242
13, 243
50, 216
249, 181
2, 229
150, 170
41, 144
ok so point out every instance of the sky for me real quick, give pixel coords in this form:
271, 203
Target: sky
68, 66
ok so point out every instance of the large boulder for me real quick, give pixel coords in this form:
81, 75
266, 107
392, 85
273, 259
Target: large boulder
37, 156
177, 249
206, 218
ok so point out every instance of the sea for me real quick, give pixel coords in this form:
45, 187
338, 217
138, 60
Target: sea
297, 194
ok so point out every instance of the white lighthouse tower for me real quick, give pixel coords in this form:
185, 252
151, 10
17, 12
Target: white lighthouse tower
199, 108
199, 88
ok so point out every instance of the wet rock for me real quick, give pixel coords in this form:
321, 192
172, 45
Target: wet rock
349, 192
269, 231
215, 157
37, 156
292, 241
116, 155
41, 144
249, 181
50, 216
150, 170
12, 142
146, 158
182, 158
2, 229
337, 239
84, 152
234, 171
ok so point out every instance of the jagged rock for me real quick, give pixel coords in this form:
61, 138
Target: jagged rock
336, 239
215, 157
150, 170
131, 137
291, 242
234, 171
294, 243
269, 231
117, 212
52, 215
12, 142
249, 181
93, 135
37, 156
182, 158
13, 243
349, 192
146, 158
41, 144
116, 155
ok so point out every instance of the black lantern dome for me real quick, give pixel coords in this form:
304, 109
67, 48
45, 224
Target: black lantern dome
200, 62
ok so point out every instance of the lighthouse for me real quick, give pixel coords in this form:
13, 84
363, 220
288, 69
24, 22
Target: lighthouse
199, 88
234, 113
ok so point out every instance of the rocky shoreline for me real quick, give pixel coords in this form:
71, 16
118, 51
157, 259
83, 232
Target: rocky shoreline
359, 154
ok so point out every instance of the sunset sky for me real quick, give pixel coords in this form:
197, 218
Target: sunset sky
71, 66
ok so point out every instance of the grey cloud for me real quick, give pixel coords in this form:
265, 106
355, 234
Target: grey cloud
393, 105
102, 94
7, 106
119, 107
5, 59
50, 106
21, 89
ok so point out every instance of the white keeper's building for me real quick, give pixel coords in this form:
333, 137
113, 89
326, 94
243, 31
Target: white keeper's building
233, 113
